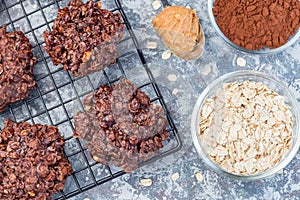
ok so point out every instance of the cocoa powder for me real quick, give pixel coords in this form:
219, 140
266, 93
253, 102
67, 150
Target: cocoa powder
255, 24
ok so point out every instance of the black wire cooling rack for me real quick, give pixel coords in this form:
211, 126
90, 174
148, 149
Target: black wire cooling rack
58, 95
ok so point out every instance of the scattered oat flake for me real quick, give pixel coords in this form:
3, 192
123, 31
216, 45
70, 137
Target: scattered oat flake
188, 6
280, 171
166, 54
206, 70
34, 6
199, 177
152, 45
146, 182
156, 5
175, 91
86, 199
241, 62
172, 77
175, 176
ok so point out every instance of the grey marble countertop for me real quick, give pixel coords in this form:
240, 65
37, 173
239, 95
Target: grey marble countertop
192, 77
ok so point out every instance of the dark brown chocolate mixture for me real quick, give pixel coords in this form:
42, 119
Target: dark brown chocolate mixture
121, 125
32, 163
16, 67
257, 24
84, 37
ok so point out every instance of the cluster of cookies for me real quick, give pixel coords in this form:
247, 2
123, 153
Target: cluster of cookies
84, 39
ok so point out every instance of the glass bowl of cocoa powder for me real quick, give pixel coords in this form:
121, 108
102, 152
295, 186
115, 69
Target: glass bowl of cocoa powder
260, 27
245, 125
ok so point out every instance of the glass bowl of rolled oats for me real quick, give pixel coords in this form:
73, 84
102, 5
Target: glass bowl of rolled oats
245, 125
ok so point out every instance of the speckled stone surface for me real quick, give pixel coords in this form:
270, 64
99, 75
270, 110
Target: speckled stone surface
180, 96
192, 77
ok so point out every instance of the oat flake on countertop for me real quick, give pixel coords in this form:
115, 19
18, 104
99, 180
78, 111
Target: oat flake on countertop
199, 177
166, 54
172, 77
151, 45
280, 171
146, 182
175, 176
156, 5
175, 91
206, 70
241, 62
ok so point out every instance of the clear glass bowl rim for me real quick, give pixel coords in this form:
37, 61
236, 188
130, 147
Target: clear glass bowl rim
196, 118
290, 42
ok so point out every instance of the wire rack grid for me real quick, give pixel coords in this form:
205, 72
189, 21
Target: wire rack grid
59, 95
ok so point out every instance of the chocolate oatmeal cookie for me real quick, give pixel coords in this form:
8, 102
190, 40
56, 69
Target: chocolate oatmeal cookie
120, 125
84, 37
16, 67
32, 163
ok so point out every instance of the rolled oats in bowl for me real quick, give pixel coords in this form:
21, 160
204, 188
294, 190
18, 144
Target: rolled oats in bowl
245, 125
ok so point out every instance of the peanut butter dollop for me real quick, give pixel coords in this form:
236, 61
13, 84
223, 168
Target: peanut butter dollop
180, 31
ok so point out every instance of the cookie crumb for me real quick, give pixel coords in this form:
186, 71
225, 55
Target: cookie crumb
175, 176
172, 77
241, 62
146, 182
